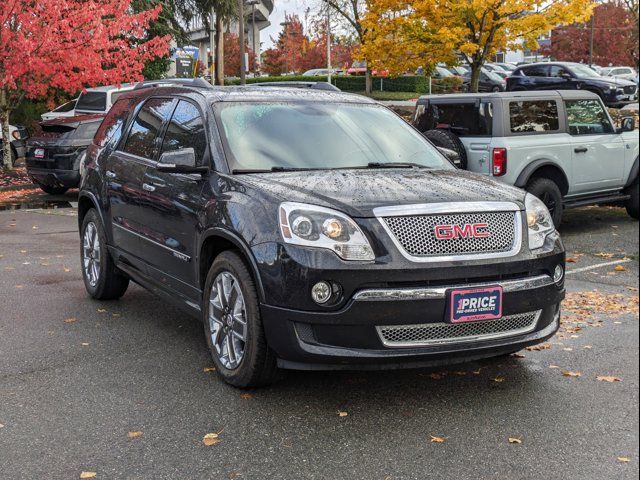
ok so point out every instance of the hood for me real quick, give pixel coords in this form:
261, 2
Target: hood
358, 192
612, 81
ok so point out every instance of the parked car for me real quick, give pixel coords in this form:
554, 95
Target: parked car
492, 67
302, 242
489, 81
321, 72
55, 153
509, 67
19, 135
67, 109
627, 73
573, 76
100, 99
360, 68
299, 84
560, 146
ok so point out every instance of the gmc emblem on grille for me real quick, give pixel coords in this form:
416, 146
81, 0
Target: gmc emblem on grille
469, 230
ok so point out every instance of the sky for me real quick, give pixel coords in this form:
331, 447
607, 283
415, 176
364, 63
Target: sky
277, 17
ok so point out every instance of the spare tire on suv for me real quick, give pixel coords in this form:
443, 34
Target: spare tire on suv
447, 139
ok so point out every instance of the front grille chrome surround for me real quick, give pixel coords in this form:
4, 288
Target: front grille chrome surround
434, 334
412, 230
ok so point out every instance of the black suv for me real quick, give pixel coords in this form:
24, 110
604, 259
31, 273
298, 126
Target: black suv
312, 230
615, 92
55, 153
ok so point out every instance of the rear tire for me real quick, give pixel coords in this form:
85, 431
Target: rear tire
448, 139
102, 279
52, 190
233, 326
632, 205
549, 193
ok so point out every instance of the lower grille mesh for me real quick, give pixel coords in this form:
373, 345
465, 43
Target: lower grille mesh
443, 333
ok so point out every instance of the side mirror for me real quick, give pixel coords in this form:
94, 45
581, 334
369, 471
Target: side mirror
451, 155
179, 161
628, 124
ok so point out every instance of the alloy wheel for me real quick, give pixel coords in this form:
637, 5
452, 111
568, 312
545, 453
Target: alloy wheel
228, 320
91, 254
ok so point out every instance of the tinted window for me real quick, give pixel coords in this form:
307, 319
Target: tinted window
186, 129
465, 119
534, 116
92, 101
113, 125
536, 71
86, 131
557, 71
66, 107
146, 127
320, 136
587, 117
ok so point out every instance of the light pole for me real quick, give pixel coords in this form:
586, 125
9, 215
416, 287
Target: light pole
253, 4
593, 18
329, 42
243, 67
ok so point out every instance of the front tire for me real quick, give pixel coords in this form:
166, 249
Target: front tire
233, 326
549, 193
102, 279
632, 205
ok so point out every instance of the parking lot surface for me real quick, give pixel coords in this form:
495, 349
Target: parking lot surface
125, 389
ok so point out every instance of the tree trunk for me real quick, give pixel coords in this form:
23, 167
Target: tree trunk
219, 53
6, 135
368, 82
475, 76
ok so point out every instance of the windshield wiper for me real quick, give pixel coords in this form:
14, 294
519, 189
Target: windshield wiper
395, 165
274, 169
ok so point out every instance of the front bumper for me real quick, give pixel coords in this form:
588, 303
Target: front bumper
352, 338
55, 178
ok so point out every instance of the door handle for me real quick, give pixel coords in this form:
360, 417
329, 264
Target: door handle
110, 174
581, 150
148, 188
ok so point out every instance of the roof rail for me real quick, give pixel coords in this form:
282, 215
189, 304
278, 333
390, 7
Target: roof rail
326, 86
172, 82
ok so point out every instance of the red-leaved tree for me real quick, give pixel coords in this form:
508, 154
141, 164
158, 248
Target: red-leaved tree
68, 45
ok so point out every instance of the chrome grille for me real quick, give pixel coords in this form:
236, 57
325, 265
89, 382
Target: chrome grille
416, 233
429, 334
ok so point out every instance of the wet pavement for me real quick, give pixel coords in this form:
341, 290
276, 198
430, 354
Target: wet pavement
79, 377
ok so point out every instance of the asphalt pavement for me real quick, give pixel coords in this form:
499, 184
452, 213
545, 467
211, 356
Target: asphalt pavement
123, 389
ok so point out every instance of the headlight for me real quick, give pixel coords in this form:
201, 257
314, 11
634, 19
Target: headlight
312, 226
539, 221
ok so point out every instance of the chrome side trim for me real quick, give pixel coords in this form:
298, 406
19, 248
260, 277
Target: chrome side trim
431, 293
177, 254
449, 208
458, 340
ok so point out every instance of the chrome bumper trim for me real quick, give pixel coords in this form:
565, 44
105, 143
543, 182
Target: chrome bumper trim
431, 293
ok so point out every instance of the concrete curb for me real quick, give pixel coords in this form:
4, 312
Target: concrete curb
16, 188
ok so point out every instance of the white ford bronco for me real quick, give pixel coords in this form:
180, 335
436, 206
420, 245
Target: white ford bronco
561, 146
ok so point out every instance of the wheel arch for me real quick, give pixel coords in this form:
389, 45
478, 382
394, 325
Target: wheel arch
633, 173
87, 201
217, 240
547, 169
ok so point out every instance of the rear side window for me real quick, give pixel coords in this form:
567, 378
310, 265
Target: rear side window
465, 119
56, 131
86, 131
534, 116
146, 127
92, 101
558, 71
113, 125
587, 117
186, 130
536, 71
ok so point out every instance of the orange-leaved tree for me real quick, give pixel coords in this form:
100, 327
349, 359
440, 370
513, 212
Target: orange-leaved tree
68, 45
402, 35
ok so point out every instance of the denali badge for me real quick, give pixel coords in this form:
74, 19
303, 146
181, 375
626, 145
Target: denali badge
469, 230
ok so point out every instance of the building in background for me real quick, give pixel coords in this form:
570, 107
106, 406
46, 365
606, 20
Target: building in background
256, 19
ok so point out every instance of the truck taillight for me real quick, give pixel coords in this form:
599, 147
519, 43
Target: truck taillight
499, 162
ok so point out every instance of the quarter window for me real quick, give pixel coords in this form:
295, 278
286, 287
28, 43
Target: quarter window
146, 127
557, 71
587, 117
534, 116
186, 129
536, 71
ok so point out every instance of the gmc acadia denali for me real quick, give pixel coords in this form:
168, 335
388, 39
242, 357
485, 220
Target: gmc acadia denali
312, 230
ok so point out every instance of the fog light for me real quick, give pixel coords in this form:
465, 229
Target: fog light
558, 274
321, 292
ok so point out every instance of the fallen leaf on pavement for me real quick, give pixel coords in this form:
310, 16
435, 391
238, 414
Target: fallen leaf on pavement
571, 260
1, 425
342, 414
604, 255
518, 355
209, 369
554, 366
610, 379
517, 441
620, 268
571, 374
435, 439
538, 348
435, 376
568, 349
624, 459
70, 320
499, 379
134, 434
247, 396
587, 347
85, 344
66, 269
211, 439
101, 310
88, 475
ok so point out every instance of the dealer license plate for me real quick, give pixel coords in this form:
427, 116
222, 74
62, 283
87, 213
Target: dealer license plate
476, 304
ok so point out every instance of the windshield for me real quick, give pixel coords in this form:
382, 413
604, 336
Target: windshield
92, 101
265, 136
582, 71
